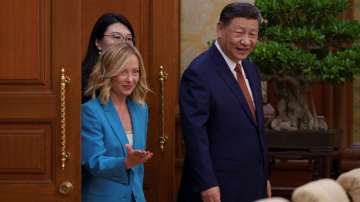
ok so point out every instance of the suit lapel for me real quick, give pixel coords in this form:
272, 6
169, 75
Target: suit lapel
255, 89
225, 73
250, 74
115, 123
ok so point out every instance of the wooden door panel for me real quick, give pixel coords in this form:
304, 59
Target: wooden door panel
28, 143
39, 37
26, 117
23, 40
164, 44
25, 45
17, 105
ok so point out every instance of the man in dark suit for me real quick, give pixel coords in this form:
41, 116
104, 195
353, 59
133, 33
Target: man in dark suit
222, 117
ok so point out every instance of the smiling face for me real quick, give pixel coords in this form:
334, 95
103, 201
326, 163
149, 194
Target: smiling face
115, 33
238, 38
125, 82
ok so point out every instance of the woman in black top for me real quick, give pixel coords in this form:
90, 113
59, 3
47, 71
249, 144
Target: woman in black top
109, 29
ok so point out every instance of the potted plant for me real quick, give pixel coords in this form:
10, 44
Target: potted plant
302, 42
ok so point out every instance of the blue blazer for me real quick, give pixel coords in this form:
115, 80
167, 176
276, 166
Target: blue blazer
103, 138
225, 147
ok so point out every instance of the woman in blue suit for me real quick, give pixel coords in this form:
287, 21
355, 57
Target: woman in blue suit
114, 127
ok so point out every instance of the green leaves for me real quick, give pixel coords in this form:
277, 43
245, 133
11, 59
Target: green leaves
307, 38
340, 67
346, 30
277, 58
292, 13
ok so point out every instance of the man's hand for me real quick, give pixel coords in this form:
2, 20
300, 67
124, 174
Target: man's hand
268, 187
211, 195
135, 157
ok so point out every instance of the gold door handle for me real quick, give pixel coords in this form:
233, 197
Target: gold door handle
163, 138
66, 188
64, 81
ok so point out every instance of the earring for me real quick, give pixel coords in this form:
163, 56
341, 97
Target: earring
99, 52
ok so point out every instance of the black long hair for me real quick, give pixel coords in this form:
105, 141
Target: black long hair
92, 53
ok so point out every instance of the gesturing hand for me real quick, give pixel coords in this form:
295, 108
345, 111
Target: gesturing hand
135, 157
211, 195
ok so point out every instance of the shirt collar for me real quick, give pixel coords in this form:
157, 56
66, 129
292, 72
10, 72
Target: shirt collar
231, 64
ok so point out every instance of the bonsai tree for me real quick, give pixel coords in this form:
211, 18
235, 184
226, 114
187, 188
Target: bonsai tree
302, 42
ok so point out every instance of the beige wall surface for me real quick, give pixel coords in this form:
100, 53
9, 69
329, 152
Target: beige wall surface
356, 90
198, 26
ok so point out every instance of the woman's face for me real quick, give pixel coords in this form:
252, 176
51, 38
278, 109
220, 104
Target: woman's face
115, 33
125, 82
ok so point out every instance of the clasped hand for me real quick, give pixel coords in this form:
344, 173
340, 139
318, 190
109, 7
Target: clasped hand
135, 157
211, 195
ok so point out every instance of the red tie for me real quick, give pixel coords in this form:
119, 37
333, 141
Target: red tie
241, 80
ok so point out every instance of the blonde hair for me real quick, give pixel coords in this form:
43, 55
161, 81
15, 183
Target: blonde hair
111, 62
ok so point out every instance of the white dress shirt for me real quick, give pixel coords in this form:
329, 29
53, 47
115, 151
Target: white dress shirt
231, 64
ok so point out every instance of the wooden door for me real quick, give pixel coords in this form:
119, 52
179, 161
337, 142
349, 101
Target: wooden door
164, 52
38, 38
156, 25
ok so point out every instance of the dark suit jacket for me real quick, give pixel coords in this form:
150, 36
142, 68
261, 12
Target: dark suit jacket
224, 146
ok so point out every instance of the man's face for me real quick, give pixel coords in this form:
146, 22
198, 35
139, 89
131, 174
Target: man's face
238, 38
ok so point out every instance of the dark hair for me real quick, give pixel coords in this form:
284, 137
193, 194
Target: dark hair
92, 53
236, 9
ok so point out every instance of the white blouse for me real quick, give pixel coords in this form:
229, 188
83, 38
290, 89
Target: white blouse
130, 137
